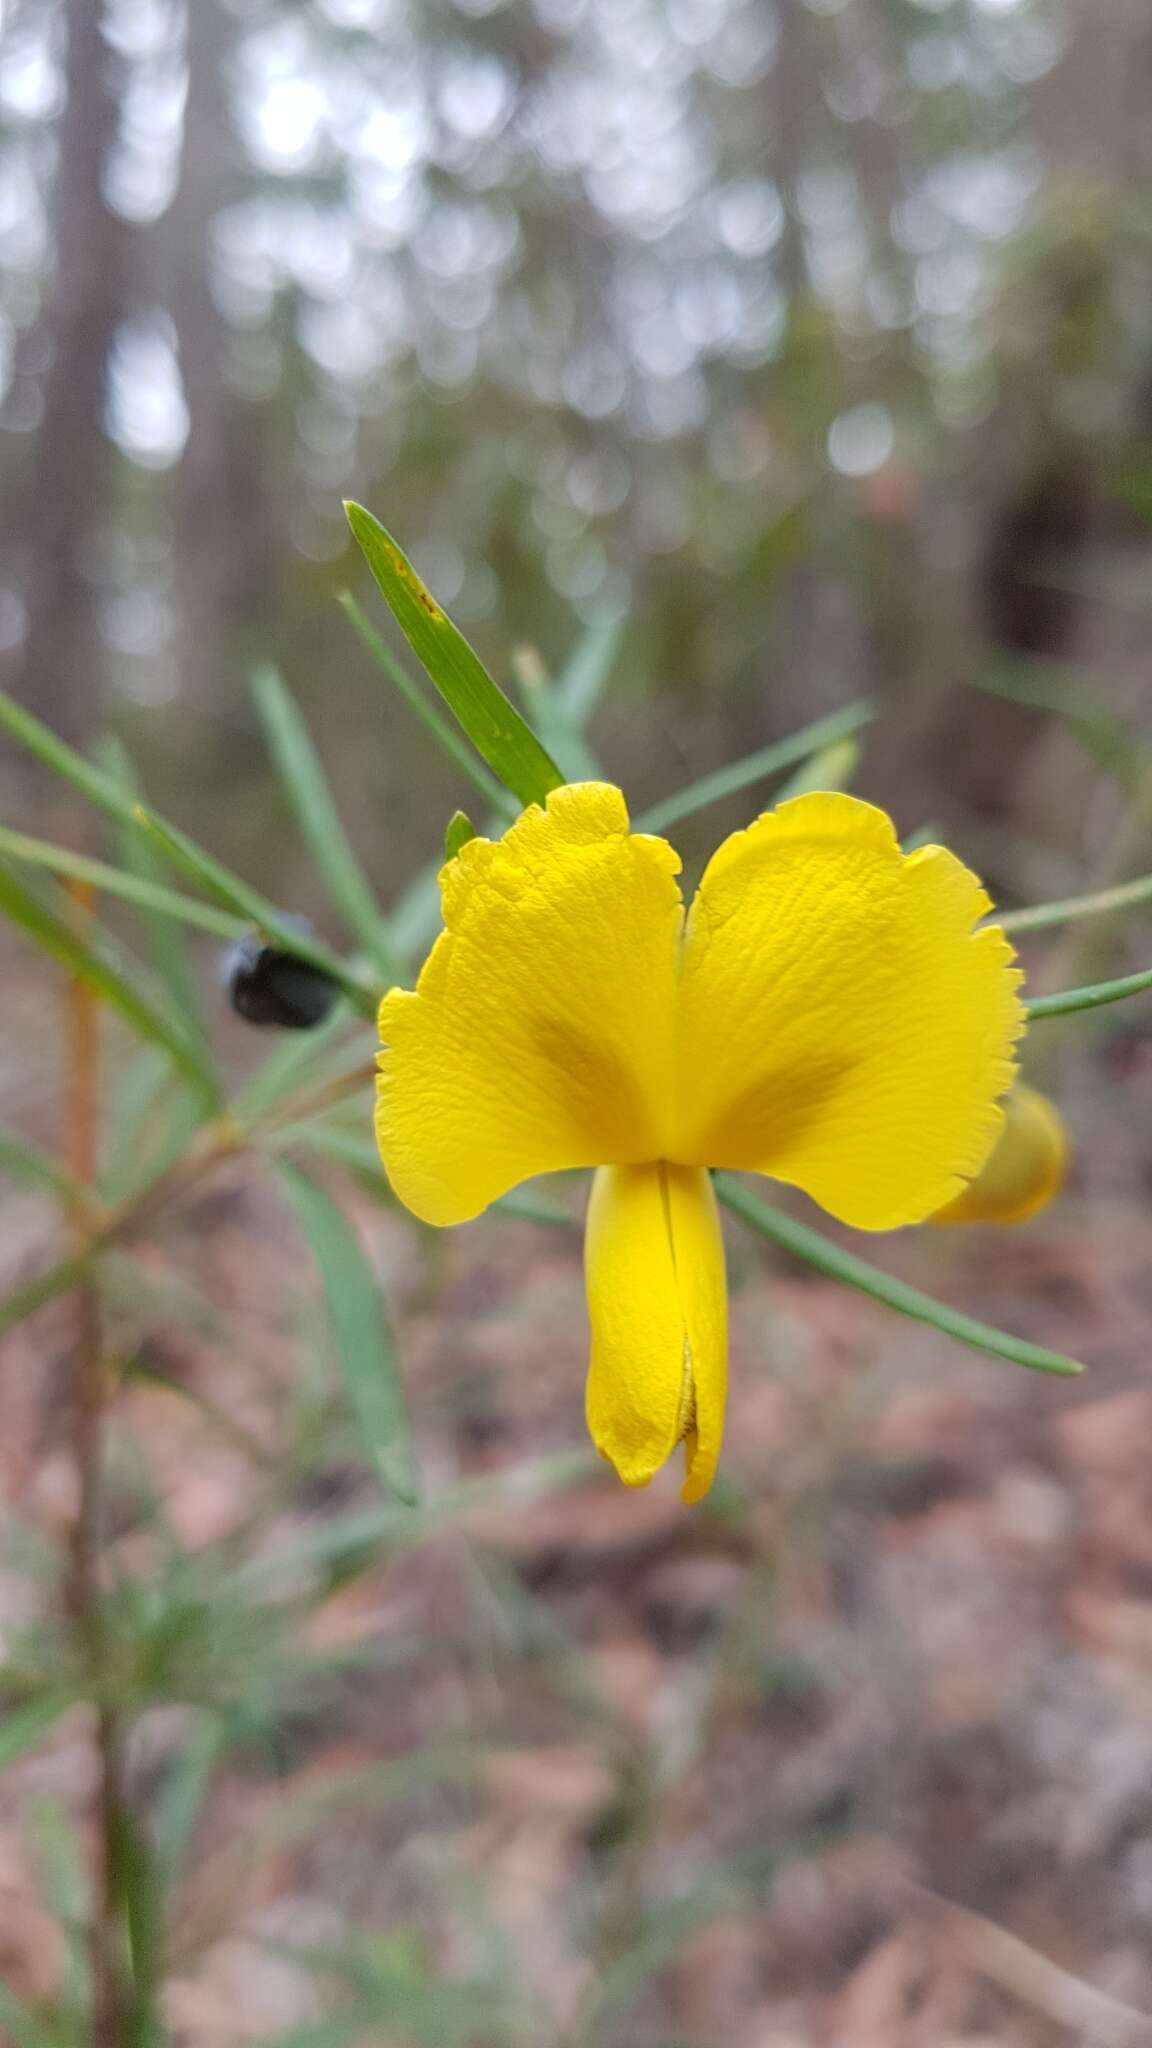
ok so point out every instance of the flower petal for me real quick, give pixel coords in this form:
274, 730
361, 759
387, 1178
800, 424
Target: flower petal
1025, 1170
540, 1034
654, 1266
843, 1026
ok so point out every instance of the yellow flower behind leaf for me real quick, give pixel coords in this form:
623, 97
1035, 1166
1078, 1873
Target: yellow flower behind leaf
829, 1012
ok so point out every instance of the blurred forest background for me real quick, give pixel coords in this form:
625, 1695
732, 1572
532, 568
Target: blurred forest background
784, 354
813, 340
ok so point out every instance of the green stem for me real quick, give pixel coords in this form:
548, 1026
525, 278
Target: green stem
1070, 908
1091, 998
824, 732
828, 1258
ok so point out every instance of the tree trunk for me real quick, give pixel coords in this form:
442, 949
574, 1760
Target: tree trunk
59, 675
231, 538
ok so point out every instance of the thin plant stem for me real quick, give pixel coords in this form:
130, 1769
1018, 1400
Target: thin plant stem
110, 1988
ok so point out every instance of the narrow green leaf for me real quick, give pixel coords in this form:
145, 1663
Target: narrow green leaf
331, 1545
166, 940
319, 821
150, 1121
545, 708
494, 726
460, 830
29, 1163
24, 2028
416, 917
24, 1301
443, 731
298, 1055
64, 942
1091, 998
63, 760
247, 902
828, 1258
1070, 908
585, 675
22, 1728
211, 874
355, 1149
824, 732
137, 1370
138, 1887
361, 1330
833, 767
181, 1799
112, 881
927, 834
314, 1057
63, 1869
1066, 694
62, 1858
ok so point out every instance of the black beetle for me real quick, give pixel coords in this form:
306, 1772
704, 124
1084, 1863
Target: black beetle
266, 985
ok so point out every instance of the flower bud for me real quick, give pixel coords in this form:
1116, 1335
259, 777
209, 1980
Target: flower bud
1025, 1170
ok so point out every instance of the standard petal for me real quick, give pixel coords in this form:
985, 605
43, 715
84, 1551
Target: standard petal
843, 1025
1025, 1170
540, 1033
657, 1302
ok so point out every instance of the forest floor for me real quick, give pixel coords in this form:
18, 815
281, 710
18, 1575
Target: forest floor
858, 1754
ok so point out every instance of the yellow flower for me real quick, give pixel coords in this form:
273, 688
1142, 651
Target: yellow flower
1025, 1169
825, 1013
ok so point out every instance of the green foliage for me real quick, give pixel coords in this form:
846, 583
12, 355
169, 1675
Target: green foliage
319, 822
218, 1632
830, 1259
1091, 998
166, 939
441, 729
360, 1326
458, 831
480, 707
810, 742
68, 944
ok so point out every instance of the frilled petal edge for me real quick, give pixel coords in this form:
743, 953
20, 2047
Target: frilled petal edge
540, 1034
845, 1026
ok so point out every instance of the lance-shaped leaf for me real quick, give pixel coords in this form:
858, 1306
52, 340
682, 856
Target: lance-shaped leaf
1069, 909
234, 894
545, 707
319, 821
1091, 998
143, 894
479, 705
361, 1331
211, 874
766, 761
837, 1264
59, 938
584, 677
167, 942
430, 715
